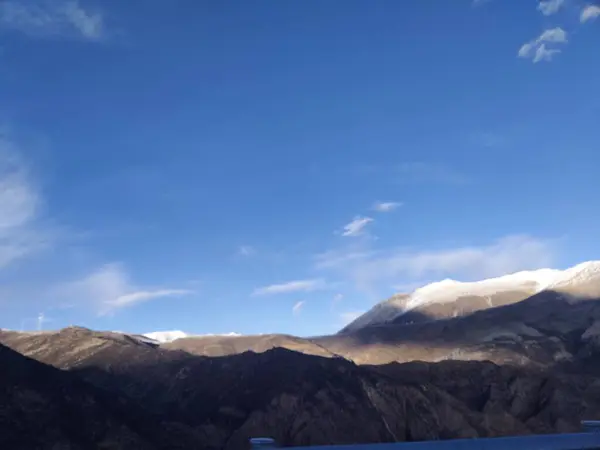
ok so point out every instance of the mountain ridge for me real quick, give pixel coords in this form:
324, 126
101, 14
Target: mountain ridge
524, 284
300, 399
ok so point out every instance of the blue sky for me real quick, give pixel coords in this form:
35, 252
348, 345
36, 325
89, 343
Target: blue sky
270, 166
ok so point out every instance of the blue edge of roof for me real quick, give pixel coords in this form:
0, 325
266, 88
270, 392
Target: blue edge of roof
589, 439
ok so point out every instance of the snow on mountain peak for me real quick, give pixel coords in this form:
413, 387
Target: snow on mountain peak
449, 290
580, 273
166, 336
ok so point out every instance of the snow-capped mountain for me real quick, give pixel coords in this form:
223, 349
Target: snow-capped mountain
164, 337
450, 298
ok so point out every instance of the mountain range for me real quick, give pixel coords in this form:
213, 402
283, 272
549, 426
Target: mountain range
512, 355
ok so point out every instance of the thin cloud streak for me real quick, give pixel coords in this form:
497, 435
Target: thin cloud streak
297, 308
356, 227
142, 296
291, 287
108, 289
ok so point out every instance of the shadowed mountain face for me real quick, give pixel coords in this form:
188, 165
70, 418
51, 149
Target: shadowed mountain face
208, 402
45, 408
543, 330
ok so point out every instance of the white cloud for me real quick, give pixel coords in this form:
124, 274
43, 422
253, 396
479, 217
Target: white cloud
543, 53
538, 49
52, 18
553, 35
20, 203
377, 270
386, 206
356, 227
526, 50
590, 12
550, 7
297, 308
291, 286
108, 289
338, 298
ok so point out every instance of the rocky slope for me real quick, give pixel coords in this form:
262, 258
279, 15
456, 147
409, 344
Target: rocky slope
546, 329
45, 408
300, 399
231, 345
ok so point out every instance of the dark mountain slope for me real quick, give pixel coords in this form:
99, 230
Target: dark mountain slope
42, 407
303, 399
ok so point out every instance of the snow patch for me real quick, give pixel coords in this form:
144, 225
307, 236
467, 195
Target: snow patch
579, 274
164, 337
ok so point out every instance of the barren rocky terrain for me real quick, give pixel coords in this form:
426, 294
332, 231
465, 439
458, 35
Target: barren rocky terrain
304, 399
544, 330
502, 367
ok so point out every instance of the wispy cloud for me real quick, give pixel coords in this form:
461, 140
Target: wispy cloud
590, 12
540, 48
20, 202
291, 287
297, 308
108, 289
550, 7
386, 206
52, 18
246, 250
356, 227
372, 270
142, 296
